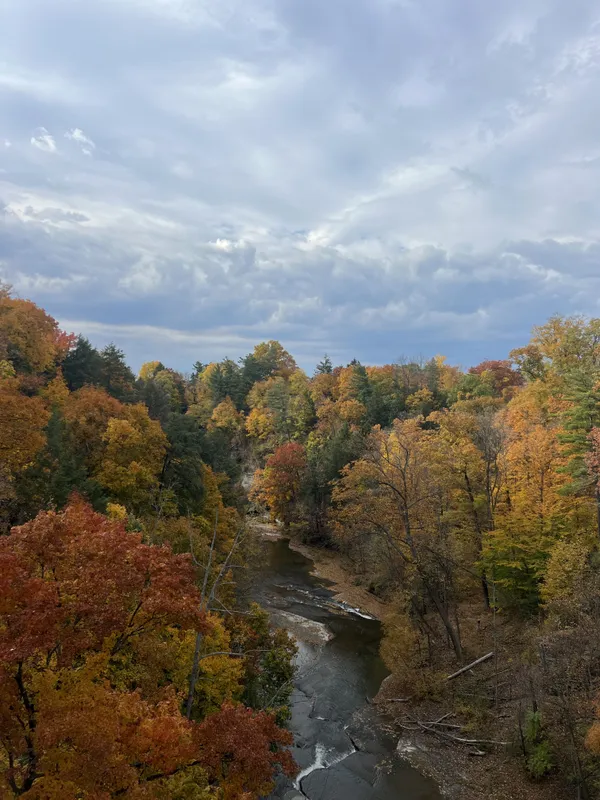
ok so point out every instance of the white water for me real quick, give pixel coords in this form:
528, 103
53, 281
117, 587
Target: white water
317, 632
321, 761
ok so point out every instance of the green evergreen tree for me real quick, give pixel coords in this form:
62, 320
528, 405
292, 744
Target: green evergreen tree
278, 400
82, 365
156, 399
67, 472
116, 377
578, 421
326, 459
324, 367
182, 469
57, 472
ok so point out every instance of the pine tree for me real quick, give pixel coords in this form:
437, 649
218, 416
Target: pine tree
581, 417
324, 367
116, 377
82, 365
57, 472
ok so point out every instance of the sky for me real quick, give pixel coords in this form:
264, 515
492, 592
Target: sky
368, 178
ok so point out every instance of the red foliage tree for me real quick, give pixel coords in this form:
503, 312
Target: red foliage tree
278, 485
503, 377
77, 592
237, 747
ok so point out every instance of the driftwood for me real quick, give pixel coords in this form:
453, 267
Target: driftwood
443, 724
470, 666
459, 739
433, 727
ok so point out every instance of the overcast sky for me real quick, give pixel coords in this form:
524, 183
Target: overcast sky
367, 178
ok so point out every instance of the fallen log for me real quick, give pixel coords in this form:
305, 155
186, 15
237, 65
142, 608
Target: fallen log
443, 725
459, 739
470, 666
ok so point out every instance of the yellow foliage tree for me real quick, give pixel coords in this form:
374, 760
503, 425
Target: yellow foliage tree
227, 417
133, 458
56, 392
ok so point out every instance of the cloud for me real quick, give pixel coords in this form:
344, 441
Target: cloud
78, 136
43, 141
470, 178
54, 215
381, 178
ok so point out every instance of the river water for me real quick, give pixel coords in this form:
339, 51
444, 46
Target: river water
341, 745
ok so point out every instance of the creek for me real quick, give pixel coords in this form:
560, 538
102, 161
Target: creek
340, 740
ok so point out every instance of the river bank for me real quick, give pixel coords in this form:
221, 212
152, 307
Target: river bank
462, 772
328, 566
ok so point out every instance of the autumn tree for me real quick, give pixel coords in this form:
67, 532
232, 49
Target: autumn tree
500, 375
268, 359
86, 617
227, 417
529, 517
271, 420
212, 385
77, 590
278, 485
88, 412
22, 437
30, 338
134, 454
565, 344
391, 496
22, 422
466, 477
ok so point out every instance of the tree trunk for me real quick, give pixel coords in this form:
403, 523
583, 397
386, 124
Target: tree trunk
485, 589
450, 630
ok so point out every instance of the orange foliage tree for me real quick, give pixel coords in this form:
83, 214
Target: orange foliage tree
30, 338
88, 411
22, 422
